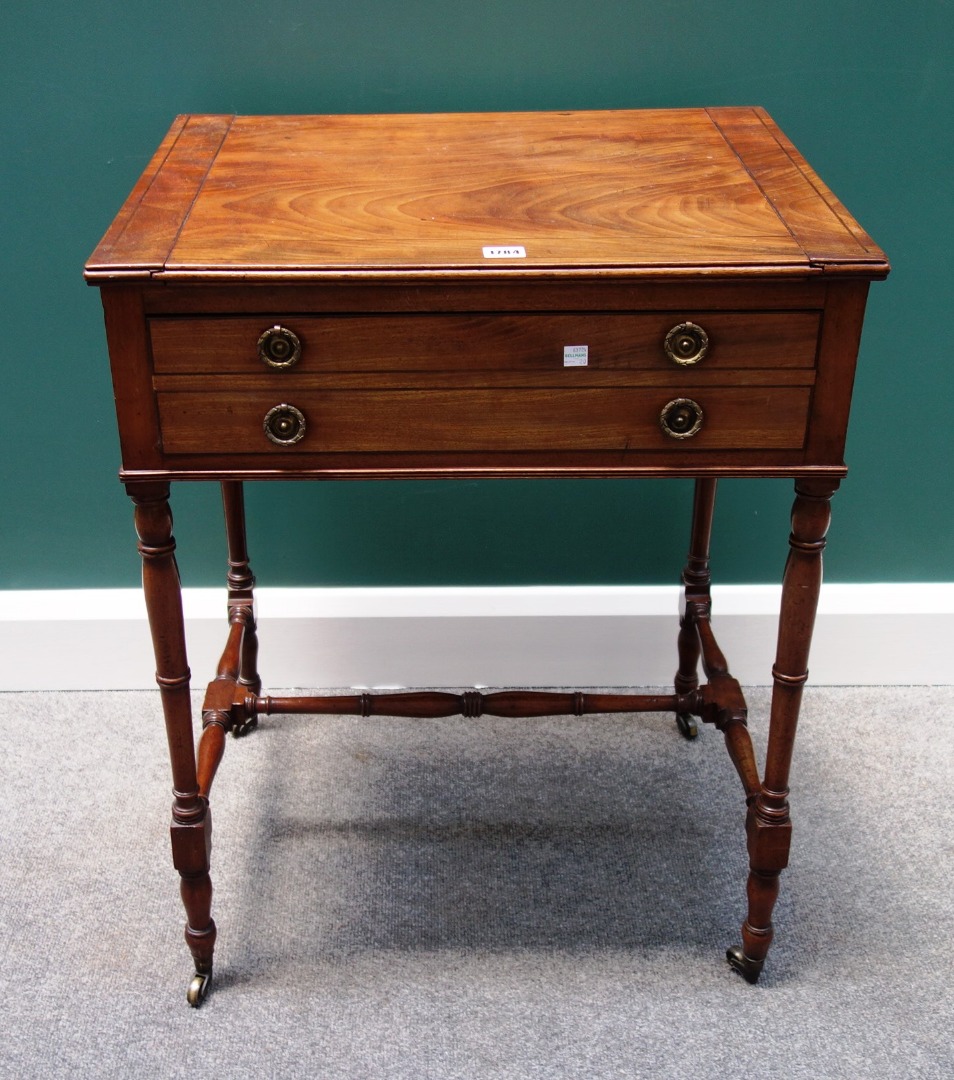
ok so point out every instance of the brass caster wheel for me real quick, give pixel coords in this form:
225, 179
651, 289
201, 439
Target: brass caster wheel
687, 725
750, 970
198, 988
246, 727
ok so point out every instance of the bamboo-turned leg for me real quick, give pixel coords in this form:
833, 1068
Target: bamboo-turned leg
696, 580
191, 828
768, 825
241, 585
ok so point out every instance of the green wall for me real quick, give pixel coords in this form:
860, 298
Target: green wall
88, 89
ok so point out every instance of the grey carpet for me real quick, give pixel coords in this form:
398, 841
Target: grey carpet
477, 899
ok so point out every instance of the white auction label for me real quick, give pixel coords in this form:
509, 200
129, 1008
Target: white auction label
576, 355
513, 251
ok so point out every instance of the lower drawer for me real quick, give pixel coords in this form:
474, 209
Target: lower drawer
539, 419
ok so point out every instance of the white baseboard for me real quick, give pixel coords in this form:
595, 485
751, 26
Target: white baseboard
871, 634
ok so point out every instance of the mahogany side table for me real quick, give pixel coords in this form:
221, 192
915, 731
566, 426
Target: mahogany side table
661, 293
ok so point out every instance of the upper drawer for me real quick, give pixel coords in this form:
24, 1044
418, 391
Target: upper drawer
536, 342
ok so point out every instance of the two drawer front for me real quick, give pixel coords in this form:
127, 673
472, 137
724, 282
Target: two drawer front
479, 342
537, 419
433, 383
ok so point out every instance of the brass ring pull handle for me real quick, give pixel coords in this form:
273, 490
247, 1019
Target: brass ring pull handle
686, 344
681, 418
284, 425
279, 347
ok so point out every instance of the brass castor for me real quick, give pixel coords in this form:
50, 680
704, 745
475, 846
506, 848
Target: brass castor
244, 727
198, 988
750, 970
687, 725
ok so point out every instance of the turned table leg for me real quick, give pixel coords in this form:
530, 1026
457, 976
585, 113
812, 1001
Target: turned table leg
191, 828
241, 586
696, 580
768, 825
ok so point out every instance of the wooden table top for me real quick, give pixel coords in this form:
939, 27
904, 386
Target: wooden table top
647, 193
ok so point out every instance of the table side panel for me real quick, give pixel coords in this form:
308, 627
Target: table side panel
837, 359
130, 361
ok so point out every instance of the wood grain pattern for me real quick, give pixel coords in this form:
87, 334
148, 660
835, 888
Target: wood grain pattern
453, 184
638, 190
